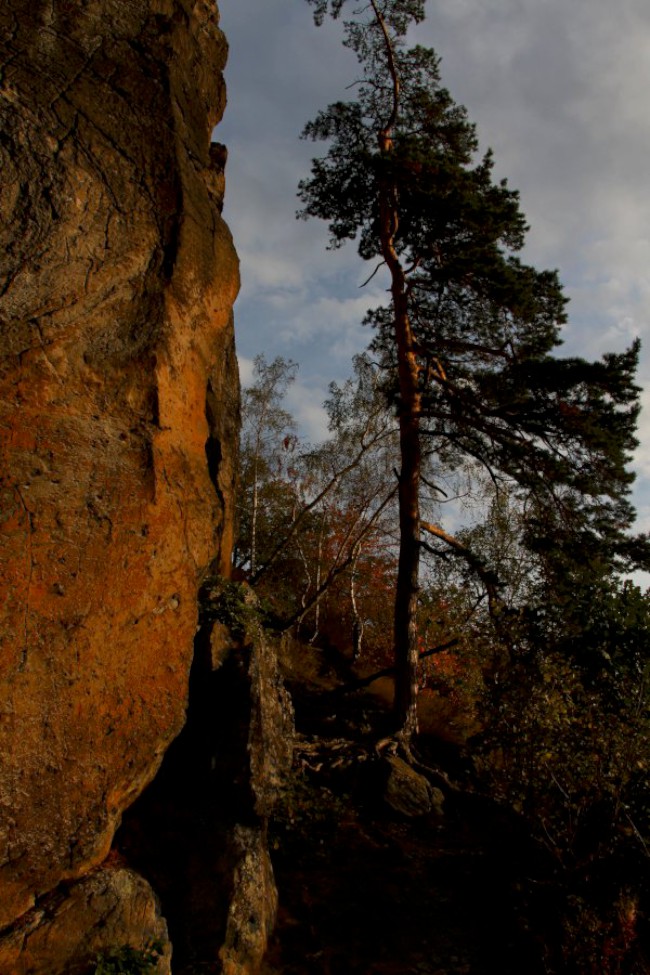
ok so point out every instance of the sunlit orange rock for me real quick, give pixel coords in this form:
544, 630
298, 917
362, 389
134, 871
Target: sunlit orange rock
118, 409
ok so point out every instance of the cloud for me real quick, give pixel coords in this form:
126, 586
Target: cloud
245, 370
305, 403
557, 88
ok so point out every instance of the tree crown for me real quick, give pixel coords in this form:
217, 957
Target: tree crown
485, 326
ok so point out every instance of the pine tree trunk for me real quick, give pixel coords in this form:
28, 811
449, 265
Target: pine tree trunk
406, 594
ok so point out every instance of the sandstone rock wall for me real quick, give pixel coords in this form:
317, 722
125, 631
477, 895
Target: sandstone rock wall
118, 409
199, 832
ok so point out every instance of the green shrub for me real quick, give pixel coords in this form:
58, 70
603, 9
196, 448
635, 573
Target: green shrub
128, 960
230, 603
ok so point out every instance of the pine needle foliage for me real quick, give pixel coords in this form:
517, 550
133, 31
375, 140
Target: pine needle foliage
485, 326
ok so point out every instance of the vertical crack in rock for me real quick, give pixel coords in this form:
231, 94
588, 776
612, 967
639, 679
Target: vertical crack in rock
199, 832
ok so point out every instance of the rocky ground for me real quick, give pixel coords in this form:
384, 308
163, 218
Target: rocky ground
366, 890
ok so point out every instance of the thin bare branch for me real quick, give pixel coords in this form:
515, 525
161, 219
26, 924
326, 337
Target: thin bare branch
369, 279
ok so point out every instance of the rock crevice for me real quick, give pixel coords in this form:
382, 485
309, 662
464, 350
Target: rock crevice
199, 832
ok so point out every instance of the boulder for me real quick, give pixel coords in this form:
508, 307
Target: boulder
409, 793
108, 913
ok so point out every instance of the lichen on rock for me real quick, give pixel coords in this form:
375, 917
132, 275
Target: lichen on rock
409, 793
71, 929
118, 410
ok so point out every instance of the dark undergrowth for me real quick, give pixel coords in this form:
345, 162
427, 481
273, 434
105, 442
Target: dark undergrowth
364, 891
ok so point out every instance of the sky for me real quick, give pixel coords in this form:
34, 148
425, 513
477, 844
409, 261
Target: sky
557, 88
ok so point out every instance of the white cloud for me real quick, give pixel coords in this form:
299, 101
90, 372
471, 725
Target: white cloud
305, 403
245, 370
557, 88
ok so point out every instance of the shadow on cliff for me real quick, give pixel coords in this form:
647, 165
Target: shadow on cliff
366, 889
179, 833
366, 886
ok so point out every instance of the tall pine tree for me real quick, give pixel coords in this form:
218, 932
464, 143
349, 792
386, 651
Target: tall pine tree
468, 336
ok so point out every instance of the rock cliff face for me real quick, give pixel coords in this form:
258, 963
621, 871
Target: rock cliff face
118, 412
199, 832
